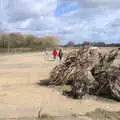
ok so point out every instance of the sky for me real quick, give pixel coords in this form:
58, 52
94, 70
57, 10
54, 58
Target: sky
71, 20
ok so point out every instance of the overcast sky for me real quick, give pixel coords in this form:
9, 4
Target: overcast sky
71, 20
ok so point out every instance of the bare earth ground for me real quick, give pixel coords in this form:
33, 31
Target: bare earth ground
20, 96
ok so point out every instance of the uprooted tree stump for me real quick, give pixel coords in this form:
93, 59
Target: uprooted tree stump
89, 71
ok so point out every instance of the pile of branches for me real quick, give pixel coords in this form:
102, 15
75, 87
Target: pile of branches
89, 71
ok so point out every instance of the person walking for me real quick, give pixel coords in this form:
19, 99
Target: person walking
46, 51
55, 53
60, 54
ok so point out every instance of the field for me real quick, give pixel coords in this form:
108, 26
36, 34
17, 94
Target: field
21, 95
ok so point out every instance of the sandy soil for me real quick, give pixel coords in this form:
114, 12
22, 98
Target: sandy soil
20, 95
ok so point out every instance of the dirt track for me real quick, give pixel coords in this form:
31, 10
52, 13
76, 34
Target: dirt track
21, 96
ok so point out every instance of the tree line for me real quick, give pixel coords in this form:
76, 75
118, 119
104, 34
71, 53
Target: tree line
98, 44
19, 40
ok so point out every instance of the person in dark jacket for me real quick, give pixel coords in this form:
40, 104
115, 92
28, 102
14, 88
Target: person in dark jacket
60, 54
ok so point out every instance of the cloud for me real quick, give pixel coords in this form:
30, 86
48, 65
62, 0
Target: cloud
24, 9
95, 3
29, 14
94, 20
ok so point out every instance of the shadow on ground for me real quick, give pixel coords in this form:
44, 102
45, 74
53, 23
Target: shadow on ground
44, 82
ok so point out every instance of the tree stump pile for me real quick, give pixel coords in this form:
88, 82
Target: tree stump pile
89, 71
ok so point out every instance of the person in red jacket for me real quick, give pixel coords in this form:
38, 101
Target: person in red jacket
55, 53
